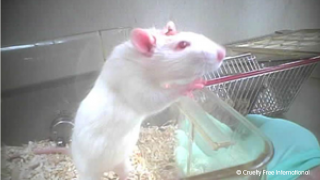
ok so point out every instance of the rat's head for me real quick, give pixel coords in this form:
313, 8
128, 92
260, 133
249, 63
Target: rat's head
173, 55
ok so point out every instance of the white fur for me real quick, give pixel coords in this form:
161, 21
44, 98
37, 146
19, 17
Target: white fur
128, 89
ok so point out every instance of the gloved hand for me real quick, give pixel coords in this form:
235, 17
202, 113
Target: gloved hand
295, 148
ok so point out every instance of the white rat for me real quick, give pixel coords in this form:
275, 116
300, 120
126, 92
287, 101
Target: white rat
141, 77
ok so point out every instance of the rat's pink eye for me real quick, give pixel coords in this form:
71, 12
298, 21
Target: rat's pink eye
183, 44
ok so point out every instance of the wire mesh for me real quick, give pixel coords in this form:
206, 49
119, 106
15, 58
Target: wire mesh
268, 93
235, 65
240, 94
282, 87
272, 92
292, 43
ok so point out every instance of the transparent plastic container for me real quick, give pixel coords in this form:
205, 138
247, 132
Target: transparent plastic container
214, 140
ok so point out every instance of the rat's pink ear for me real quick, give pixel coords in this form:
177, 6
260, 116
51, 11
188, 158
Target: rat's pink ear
143, 41
171, 26
170, 29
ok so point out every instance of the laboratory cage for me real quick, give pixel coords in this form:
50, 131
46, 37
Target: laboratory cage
206, 137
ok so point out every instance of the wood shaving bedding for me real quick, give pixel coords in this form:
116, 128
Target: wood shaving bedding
153, 158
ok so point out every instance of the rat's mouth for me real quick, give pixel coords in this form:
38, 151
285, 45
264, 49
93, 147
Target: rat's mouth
212, 67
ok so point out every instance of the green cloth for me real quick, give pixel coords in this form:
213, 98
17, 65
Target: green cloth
295, 148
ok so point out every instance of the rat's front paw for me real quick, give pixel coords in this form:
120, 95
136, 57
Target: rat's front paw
196, 84
187, 89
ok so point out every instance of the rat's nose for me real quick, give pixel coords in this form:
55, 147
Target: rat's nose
221, 54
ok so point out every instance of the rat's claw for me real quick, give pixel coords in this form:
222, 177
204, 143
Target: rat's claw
197, 84
187, 89
200, 81
190, 95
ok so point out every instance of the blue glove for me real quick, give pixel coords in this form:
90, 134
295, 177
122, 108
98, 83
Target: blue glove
295, 148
